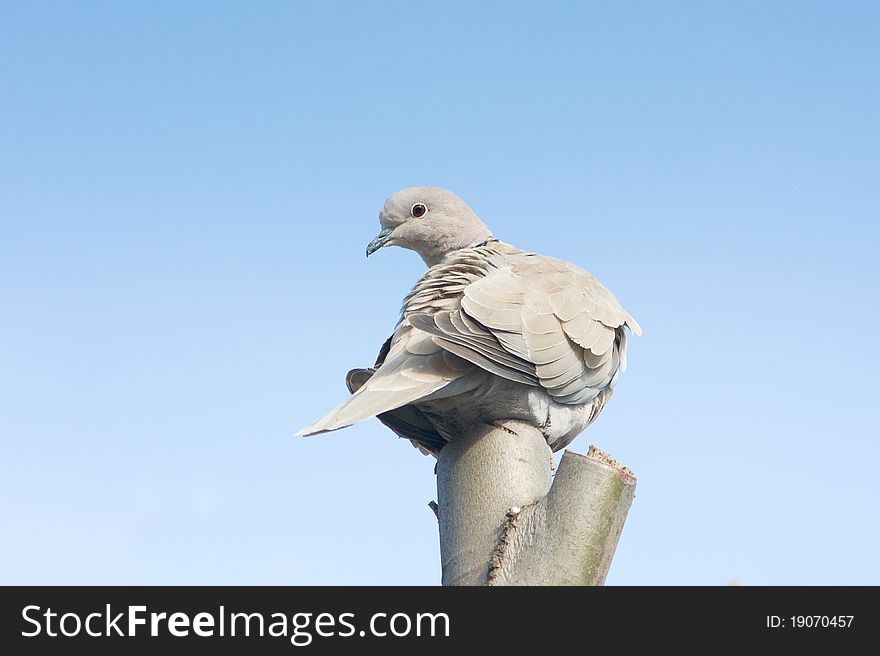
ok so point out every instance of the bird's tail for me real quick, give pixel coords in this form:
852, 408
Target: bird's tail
379, 394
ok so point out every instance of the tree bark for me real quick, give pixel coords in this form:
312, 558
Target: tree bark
502, 523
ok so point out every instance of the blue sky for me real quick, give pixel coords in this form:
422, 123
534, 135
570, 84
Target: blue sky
186, 191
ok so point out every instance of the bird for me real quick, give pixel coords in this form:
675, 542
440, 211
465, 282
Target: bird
489, 333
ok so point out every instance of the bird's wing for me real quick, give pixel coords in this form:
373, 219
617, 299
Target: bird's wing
536, 320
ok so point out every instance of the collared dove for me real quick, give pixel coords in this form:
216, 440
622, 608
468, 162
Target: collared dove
488, 333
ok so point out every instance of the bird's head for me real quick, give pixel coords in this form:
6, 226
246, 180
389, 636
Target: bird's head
429, 220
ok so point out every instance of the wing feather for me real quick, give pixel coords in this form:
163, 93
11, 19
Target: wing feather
536, 320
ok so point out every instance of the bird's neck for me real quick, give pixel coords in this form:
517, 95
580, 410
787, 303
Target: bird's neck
436, 254
465, 239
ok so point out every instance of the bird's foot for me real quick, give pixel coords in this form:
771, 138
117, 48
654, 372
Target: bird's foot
504, 428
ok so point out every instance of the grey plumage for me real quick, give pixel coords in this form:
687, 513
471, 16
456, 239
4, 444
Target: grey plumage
488, 333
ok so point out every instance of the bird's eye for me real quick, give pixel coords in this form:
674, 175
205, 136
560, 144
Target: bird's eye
418, 210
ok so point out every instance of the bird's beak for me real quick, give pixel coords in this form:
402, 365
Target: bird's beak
381, 240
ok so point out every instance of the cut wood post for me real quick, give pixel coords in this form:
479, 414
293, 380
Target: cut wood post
503, 523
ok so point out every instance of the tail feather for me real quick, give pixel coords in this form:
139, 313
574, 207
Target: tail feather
366, 403
406, 421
